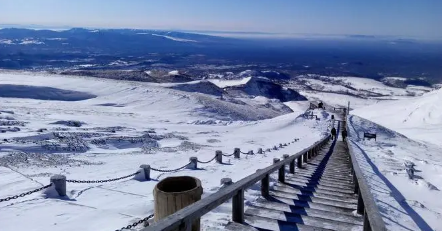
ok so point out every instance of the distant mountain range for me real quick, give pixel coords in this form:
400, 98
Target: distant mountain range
202, 55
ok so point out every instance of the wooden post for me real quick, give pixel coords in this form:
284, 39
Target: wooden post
280, 145
299, 161
237, 153
59, 182
366, 224
260, 151
292, 166
219, 156
268, 150
281, 171
175, 193
305, 157
251, 152
146, 170
238, 207
356, 184
275, 148
360, 204
226, 182
265, 186
193, 163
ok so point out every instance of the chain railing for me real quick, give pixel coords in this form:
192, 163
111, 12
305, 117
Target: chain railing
135, 224
227, 155
102, 181
25, 193
206, 162
170, 170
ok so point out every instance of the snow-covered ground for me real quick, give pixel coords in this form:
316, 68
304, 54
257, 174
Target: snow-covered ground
93, 129
419, 118
405, 204
361, 92
108, 132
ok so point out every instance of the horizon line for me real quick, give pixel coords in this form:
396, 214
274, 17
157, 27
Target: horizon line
226, 33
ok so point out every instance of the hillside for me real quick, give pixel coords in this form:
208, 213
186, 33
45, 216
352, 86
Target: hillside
419, 118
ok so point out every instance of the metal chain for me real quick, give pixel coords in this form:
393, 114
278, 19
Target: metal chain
206, 162
102, 181
26, 193
245, 153
135, 223
227, 155
170, 170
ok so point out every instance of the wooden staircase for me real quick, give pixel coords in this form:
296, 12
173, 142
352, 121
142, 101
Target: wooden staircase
319, 196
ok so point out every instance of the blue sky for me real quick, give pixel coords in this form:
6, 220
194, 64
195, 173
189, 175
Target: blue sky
405, 18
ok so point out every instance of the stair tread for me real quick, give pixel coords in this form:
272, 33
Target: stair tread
350, 218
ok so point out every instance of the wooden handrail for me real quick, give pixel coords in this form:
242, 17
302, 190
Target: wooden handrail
182, 219
366, 203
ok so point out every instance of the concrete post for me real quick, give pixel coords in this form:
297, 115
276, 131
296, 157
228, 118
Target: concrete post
268, 150
237, 153
251, 152
260, 151
59, 182
226, 182
280, 145
146, 169
193, 163
285, 144
219, 156
275, 148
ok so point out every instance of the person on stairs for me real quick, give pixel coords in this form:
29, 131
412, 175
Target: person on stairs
333, 133
344, 134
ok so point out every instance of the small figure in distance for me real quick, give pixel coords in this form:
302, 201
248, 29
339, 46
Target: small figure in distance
320, 105
333, 133
344, 134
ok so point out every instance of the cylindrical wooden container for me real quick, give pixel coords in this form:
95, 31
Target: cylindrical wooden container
175, 193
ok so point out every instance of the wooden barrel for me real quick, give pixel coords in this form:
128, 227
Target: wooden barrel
175, 193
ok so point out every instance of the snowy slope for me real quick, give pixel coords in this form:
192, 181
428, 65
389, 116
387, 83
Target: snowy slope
419, 118
110, 135
405, 204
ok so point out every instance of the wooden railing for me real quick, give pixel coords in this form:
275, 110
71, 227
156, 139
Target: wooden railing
182, 220
366, 203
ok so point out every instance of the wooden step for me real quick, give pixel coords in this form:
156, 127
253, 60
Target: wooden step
343, 217
294, 219
313, 205
308, 199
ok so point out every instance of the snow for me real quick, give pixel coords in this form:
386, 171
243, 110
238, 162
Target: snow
6, 41
229, 83
175, 39
405, 204
419, 118
30, 41
126, 125
175, 72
